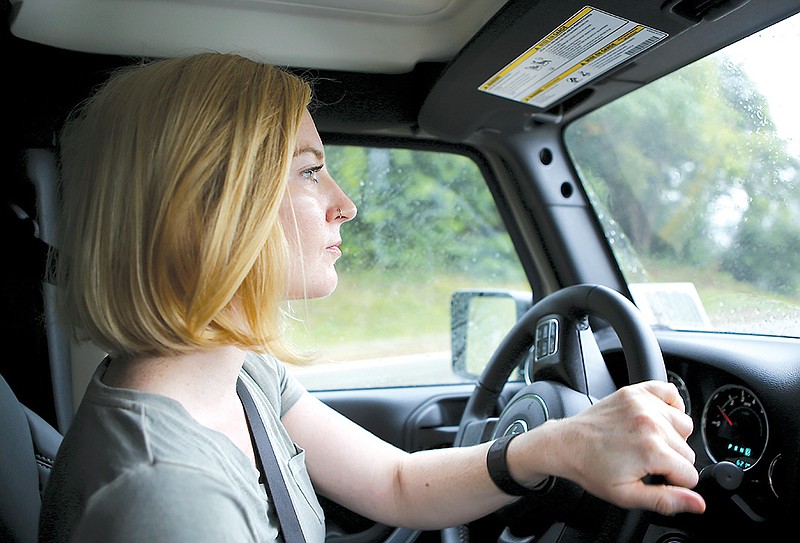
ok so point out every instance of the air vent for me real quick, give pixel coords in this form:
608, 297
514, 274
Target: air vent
703, 10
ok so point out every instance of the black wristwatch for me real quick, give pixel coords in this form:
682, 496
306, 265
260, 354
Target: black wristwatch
498, 470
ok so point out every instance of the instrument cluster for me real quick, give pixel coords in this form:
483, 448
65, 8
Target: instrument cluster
734, 428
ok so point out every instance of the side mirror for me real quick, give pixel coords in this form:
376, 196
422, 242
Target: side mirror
479, 320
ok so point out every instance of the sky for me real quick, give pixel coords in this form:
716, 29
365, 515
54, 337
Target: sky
767, 57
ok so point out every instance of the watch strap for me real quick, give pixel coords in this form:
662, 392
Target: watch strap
497, 464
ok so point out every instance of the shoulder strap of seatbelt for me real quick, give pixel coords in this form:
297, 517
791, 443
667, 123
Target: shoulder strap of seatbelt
276, 485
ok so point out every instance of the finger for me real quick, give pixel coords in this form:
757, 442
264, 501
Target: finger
667, 392
677, 400
669, 500
672, 453
676, 415
677, 467
682, 448
679, 421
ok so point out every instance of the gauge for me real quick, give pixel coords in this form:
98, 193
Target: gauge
776, 475
735, 427
673, 378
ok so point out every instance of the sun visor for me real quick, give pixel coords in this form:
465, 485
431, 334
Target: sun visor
533, 58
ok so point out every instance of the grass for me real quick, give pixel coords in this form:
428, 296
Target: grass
732, 305
368, 316
376, 314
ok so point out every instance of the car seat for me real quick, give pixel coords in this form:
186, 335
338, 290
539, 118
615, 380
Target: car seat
28, 442
27, 450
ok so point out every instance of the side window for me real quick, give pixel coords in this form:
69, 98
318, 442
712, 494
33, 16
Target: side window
427, 226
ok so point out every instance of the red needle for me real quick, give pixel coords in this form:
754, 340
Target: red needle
724, 415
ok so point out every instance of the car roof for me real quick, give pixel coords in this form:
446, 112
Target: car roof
394, 67
372, 36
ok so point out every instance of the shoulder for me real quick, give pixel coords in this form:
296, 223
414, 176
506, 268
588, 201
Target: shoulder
268, 374
264, 368
166, 502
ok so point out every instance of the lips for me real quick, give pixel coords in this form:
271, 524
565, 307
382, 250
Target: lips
334, 248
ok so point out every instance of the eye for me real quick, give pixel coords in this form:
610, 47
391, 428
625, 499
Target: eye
311, 173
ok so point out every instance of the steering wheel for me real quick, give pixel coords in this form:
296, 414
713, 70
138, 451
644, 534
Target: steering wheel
567, 373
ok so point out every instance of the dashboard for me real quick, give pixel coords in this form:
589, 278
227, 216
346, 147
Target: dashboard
743, 394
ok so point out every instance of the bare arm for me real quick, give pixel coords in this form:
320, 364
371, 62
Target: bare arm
355, 468
607, 449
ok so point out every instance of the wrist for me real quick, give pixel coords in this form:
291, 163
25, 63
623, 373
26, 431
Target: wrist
497, 463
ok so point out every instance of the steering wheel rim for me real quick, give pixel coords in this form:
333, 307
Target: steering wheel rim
577, 302
571, 307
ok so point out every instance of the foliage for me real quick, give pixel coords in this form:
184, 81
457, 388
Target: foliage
420, 212
692, 169
761, 244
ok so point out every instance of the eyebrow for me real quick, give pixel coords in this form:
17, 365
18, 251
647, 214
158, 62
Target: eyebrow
309, 149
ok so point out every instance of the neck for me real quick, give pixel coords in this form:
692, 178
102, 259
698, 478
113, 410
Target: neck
202, 381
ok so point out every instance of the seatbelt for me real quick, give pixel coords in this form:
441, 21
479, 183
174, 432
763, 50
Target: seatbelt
270, 471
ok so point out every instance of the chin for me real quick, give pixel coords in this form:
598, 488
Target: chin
322, 292
318, 289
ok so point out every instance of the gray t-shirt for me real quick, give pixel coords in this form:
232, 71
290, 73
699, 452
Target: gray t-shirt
137, 467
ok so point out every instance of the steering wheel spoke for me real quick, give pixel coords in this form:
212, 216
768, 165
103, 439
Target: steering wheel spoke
566, 351
476, 431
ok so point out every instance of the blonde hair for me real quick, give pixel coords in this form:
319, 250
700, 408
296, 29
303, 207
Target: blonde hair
173, 174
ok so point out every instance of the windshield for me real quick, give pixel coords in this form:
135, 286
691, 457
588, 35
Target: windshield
694, 179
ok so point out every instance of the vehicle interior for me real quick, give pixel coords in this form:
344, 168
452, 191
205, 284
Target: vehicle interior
556, 198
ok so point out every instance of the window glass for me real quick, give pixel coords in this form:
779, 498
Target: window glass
427, 226
694, 179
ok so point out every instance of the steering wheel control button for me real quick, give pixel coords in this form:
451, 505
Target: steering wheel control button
546, 338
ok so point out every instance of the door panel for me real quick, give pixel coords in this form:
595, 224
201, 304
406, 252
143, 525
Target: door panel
411, 418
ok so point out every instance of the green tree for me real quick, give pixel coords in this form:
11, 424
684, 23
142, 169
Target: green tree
421, 212
763, 250
669, 161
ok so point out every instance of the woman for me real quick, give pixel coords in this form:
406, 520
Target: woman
197, 201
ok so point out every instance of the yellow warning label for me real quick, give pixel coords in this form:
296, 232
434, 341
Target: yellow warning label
586, 45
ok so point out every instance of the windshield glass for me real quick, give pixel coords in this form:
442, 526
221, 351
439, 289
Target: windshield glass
694, 179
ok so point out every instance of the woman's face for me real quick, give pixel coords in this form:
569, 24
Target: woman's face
311, 213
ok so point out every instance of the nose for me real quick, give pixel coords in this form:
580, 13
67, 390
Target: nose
342, 208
